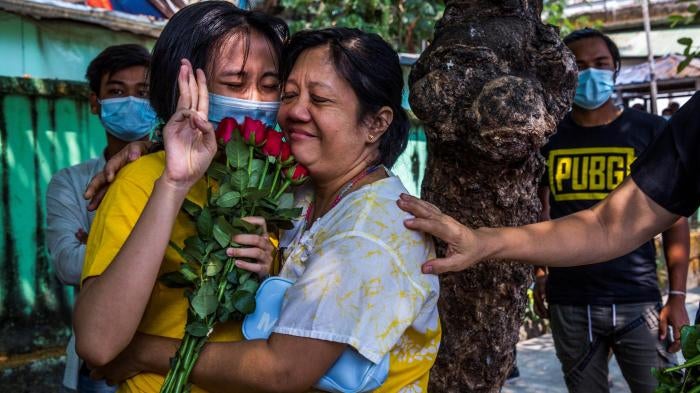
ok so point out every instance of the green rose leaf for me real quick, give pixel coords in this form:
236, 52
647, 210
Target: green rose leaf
250, 285
232, 277
257, 167
244, 301
191, 208
193, 255
217, 171
230, 199
213, 267
244, 226
286, 201
196, 243
205, 223
289, 213
220, 254
244, 276
221, 236
267, 204
225, 187
197, 329
253, 194
204, 304
177, 248
211, 246
689, 341
237, 153
189, 272
222, 231
239, 180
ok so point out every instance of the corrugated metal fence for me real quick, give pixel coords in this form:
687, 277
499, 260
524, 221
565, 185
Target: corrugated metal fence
44, 126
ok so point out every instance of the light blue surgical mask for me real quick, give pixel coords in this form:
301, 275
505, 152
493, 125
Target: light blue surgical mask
128, 118
222, 106
594, 88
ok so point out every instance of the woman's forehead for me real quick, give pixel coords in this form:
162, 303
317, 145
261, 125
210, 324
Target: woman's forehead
243, 51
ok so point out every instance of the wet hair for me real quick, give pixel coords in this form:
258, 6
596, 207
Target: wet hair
372, 69
114, 59
195, 33
593, 33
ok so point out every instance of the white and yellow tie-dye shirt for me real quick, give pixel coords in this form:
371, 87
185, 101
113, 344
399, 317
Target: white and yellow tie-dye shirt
357, 280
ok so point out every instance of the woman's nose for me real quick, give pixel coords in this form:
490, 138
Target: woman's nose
296, 110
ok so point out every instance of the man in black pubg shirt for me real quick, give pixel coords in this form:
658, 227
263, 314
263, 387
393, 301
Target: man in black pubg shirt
612, 306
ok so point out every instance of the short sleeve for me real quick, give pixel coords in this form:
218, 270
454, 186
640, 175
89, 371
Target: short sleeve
115, 218
669, 170
355, 290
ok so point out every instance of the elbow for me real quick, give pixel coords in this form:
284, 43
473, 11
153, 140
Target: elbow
92, 343
92, 351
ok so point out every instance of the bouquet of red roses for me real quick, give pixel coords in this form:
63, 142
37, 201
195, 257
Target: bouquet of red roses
250, 176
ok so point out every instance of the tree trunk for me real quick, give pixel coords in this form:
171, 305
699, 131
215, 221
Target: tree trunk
490, 89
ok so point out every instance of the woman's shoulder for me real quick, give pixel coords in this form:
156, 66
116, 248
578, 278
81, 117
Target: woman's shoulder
372, 210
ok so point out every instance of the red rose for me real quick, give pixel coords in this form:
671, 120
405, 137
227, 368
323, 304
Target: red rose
286, 157
253, 131
296, 174
273, 144
225, 130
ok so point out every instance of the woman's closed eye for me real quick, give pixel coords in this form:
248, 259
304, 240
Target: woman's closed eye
288, 95
319, 99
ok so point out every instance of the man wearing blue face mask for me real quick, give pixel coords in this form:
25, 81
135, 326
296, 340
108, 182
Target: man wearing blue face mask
615, 306
118, 79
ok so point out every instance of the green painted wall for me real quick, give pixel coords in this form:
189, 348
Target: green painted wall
44, 126
54, 49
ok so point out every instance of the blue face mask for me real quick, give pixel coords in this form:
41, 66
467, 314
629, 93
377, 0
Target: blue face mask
128, 118
594, 88
221, 107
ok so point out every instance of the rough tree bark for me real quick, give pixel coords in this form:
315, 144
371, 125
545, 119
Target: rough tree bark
490, 89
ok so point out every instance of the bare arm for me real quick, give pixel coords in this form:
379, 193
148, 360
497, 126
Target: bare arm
282, 363
110, 306
613, 227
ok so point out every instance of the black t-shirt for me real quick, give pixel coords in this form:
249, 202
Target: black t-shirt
584, 164
669, 171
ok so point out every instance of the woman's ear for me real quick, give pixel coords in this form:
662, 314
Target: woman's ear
379, 123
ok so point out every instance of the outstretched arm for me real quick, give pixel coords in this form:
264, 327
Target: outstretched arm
613, 227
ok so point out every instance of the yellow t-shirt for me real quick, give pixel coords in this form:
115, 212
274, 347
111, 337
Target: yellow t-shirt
121, 207
357, 280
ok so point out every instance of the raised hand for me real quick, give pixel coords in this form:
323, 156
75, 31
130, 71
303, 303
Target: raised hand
188, 136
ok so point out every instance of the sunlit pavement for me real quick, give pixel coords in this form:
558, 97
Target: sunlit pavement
540, 371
